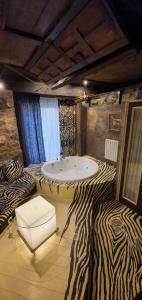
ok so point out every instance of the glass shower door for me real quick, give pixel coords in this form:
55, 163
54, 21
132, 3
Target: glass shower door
132, 164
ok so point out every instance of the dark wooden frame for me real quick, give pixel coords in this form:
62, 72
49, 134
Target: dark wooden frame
138, 206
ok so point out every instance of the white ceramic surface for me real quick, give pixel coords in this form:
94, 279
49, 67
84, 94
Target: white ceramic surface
69, 169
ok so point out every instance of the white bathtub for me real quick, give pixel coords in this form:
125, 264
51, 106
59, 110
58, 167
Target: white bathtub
70, 169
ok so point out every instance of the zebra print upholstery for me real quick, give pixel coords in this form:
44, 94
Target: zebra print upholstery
12, 170
2, 179
13, 194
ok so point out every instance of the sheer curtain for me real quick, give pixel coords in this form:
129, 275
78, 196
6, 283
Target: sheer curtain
28, 115
50, 127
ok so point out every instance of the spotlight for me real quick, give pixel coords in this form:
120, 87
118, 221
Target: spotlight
85, 82
1, 85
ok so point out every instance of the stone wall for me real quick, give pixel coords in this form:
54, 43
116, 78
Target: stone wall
98, 130
9, 139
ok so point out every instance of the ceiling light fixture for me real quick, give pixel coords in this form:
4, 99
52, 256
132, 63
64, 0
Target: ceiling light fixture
85, 82
1, 85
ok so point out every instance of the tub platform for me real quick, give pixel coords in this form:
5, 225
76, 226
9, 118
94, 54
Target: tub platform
64, 191
106, 242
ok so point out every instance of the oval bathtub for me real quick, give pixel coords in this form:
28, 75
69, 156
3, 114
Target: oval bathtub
61, 177
70, 169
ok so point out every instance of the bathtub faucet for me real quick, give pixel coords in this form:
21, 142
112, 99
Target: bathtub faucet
61, 156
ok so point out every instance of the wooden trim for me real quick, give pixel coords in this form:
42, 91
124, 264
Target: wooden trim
121, 146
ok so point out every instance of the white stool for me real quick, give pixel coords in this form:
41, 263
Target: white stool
36, 221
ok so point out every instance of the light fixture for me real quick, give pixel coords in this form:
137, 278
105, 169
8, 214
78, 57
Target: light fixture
85, 82
1, 85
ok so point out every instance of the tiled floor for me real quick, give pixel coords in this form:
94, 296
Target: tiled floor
42, 275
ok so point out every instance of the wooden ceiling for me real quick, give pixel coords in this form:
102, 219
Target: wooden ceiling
51, 40
127, 65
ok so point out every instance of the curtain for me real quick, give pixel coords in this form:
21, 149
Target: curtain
50, 127
28, 115
68, 128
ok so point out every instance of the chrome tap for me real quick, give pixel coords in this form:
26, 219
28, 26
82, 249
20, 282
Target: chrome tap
61, 155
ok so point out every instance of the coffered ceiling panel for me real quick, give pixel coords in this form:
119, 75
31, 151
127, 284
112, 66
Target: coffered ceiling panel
92, 34
15, 50
35, 16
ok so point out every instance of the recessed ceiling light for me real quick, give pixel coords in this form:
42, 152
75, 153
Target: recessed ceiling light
85, 82
1, 85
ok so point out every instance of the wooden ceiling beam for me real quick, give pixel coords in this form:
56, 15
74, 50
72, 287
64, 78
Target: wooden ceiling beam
53, 66
94, 83
85, 69
21, 73
26, 35
41, 88
116, 86
64, 54
83, 42
74, 10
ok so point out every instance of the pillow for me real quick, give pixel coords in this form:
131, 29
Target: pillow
12, 170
